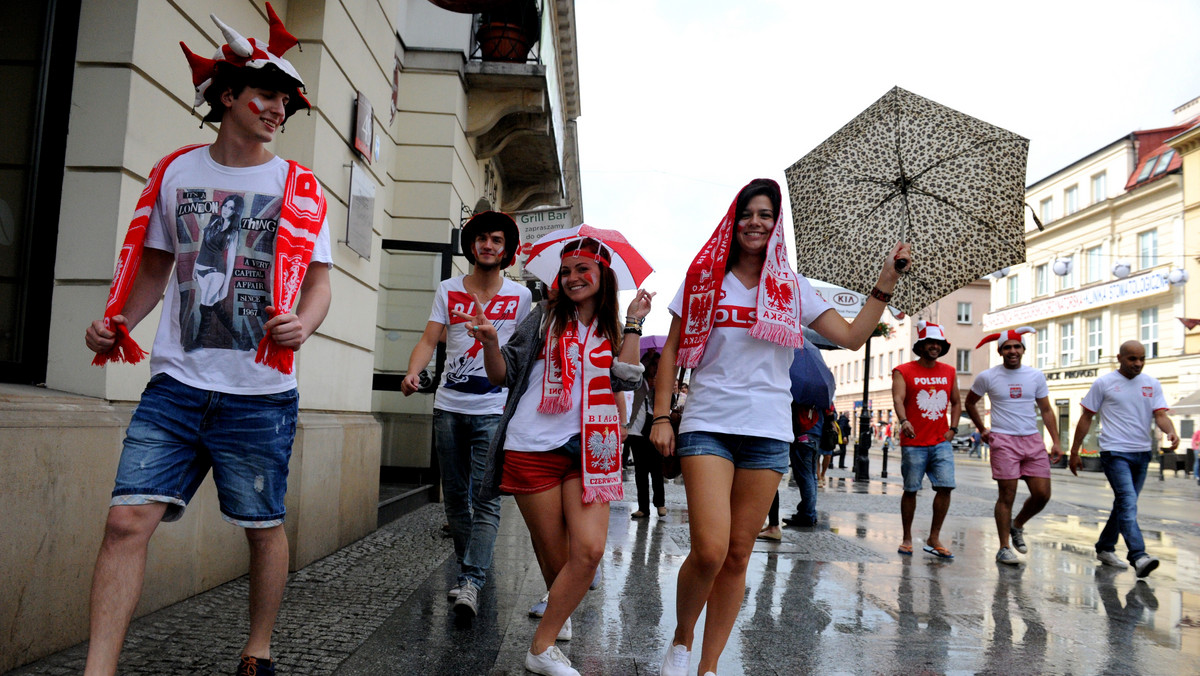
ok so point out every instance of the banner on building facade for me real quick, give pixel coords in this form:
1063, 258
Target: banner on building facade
1122, 290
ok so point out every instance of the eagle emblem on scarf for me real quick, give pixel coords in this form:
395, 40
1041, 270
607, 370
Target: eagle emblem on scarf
604, 447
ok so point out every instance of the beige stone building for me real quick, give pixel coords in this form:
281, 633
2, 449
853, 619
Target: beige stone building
96, 92
1104, 271
959, 313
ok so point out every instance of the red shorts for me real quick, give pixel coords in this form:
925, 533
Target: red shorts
1015, 457
527, 472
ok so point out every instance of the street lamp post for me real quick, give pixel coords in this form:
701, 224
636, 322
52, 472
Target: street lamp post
862, 461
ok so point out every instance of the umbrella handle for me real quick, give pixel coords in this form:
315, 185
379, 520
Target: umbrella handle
901, 263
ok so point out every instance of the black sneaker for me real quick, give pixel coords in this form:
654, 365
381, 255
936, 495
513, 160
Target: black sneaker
255, 666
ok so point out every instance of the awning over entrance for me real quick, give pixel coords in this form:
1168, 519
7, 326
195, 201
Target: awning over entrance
1191, 401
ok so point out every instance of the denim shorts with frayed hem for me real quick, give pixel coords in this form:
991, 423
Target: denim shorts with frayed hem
937, 461
178, 432
743, 450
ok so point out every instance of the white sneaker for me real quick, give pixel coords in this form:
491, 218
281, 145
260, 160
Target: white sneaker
675, 662
564, 634
1007, 557
453, 592
1018, 539
1145, 565
550, 663
1111, 559
466, 606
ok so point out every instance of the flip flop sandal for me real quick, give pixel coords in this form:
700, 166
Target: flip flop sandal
940, 552
906, 550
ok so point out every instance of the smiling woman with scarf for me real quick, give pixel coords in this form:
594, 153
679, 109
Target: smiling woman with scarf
736, 320
558, 447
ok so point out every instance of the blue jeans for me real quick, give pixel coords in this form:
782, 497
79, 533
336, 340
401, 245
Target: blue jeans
178, 432
937, 461
1126, 473
804, 469
462, 442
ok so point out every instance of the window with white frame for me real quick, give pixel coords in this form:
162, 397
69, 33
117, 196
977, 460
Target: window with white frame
891, 362
1148, 330
1099, 187
1071, 200
1066, 343
1095, 339
1043, 347
1041, 277
1093, 264
857, 369
963, 361
1067, 280
1147, 249
964, 313
1014, 289
1046, 209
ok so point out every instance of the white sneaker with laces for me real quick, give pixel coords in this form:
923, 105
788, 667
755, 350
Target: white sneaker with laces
565, 634
1007, 557
676, 661
1111, 559
453, 592
1145, 565
466, 606
550, 663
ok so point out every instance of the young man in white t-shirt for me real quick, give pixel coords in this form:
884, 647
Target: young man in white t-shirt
1127, 401
217, 218
467, 407
1017, 394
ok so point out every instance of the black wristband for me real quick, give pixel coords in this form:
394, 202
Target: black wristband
631, 330
660, 418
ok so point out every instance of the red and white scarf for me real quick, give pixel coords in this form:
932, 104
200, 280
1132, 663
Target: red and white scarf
777, 312
300, 221
598, 426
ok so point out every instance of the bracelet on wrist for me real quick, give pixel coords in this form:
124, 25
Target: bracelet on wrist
630, 321
877, 294
632, 329
659, 418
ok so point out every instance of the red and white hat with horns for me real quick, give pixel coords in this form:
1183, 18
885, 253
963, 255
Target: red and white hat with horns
240, 52
1005, 336
930, 331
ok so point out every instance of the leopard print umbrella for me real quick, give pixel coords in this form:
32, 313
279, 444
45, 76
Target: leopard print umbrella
908, 169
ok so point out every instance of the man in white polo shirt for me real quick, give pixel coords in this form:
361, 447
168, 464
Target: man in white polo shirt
1016, 394
1127, 401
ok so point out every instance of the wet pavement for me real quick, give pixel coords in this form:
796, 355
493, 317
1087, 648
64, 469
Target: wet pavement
834, 598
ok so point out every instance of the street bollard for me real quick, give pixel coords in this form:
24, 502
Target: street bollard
883, 471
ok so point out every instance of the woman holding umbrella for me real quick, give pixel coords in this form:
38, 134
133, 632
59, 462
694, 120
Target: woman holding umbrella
737, 318
557, 447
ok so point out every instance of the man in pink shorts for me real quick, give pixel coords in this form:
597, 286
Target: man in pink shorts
1016, 394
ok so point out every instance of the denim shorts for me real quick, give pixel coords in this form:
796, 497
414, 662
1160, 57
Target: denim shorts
937, 461
744, 451
178, 432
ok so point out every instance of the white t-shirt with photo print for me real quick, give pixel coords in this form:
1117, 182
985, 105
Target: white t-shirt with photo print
464, 387
220, 223
742, 385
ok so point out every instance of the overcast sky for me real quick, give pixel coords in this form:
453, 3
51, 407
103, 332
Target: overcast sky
684, 101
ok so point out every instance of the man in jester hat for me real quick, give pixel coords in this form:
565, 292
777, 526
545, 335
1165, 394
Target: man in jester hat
229, 231
1018, 395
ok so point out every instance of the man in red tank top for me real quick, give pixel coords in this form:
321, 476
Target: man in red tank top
923, 392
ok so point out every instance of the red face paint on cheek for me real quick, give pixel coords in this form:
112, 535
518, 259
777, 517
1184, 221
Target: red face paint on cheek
256, 105
587, 277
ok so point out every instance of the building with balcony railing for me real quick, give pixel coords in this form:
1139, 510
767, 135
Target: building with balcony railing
1106, 268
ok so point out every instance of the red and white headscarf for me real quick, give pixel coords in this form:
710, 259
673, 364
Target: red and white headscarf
777, 313
600, 436
1005, 336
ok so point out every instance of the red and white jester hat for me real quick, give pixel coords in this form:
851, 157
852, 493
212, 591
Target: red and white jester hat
1005, 336
930, 331
242, 52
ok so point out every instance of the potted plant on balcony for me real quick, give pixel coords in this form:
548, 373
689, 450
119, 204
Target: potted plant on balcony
1091, 460
507, 31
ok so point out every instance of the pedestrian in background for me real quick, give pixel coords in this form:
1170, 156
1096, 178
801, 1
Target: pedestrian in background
557, 447
1128, 401
1016, 394
647, 462
467, 407
844, 424
924, 391
737, 318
